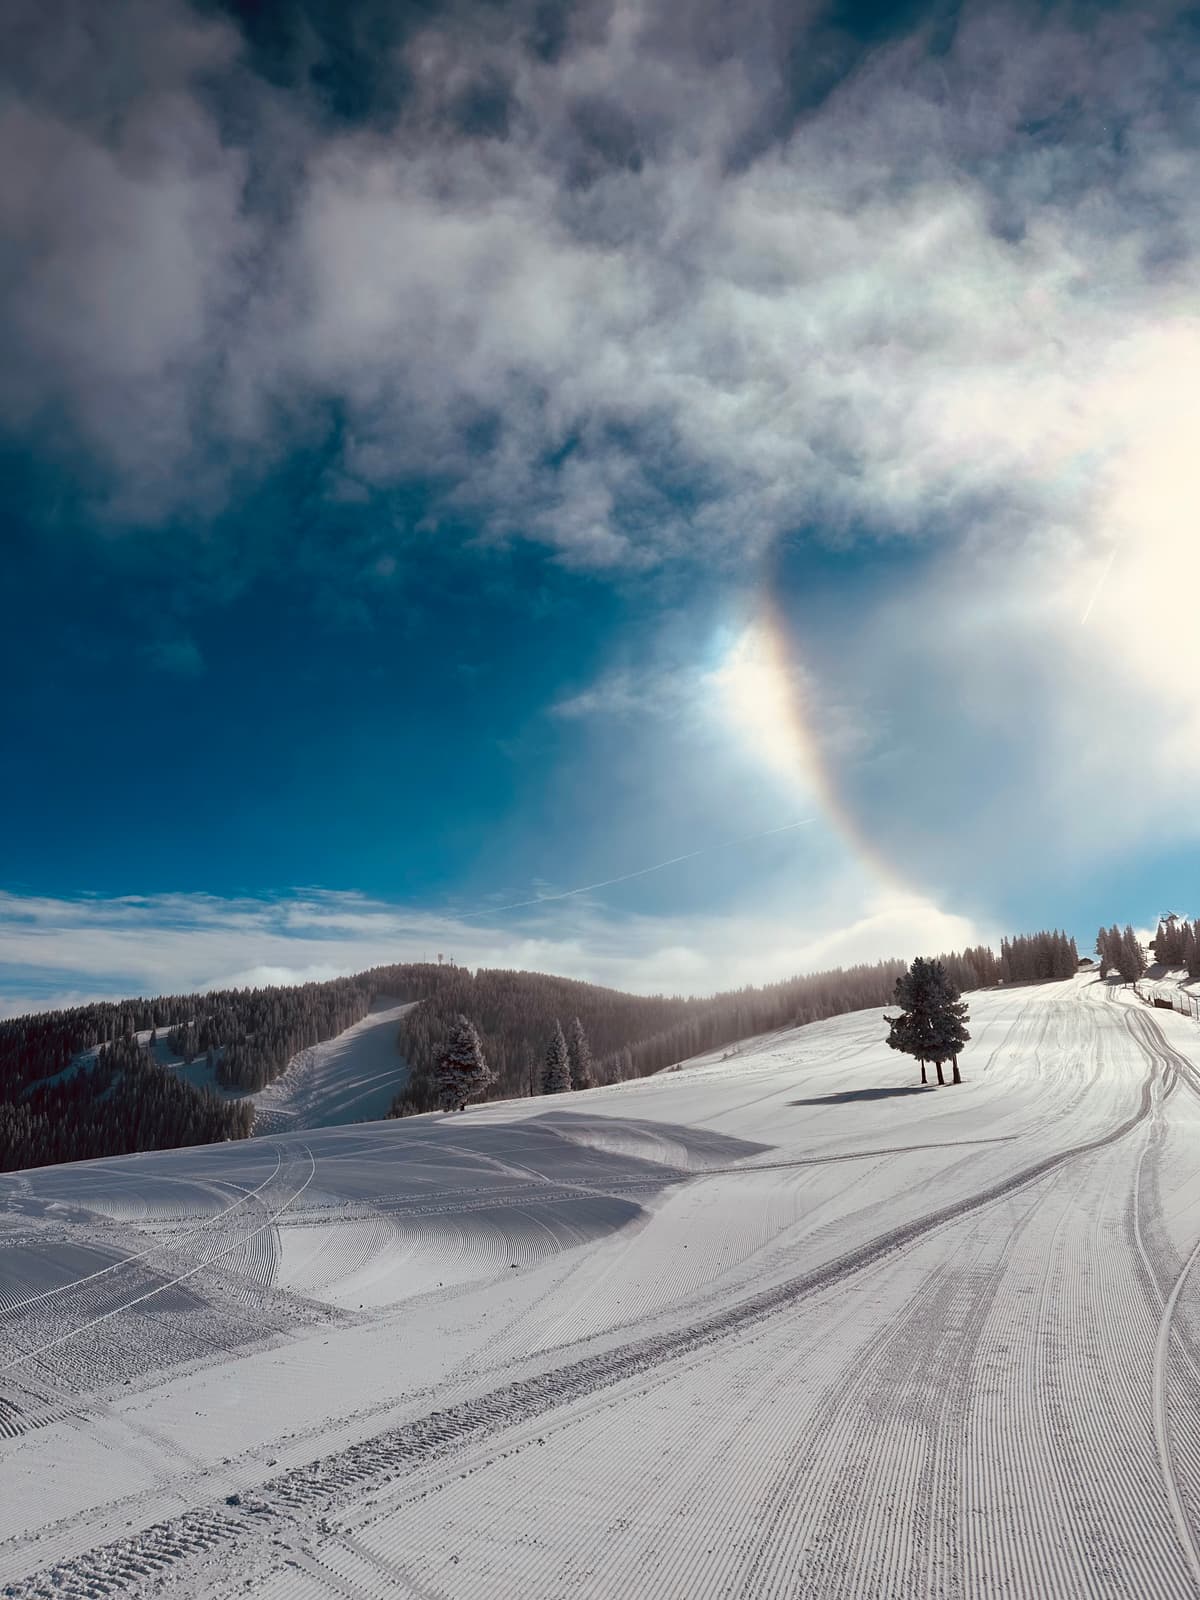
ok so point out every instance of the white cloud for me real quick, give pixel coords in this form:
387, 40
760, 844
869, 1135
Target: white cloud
908, 302
61, 952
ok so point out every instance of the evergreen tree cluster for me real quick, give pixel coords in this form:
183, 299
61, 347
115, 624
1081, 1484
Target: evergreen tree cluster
1025, 958
515, 1014
62, 1098
253, 1033
1121, 953
932, 1021
977, 967
1177, 944
120, 1102
627, 1036
1034, 957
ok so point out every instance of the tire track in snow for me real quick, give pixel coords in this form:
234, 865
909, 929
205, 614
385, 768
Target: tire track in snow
1162, 1427
1162, 1346
308, 1491
159, 1244
53, 1344
1144, 1029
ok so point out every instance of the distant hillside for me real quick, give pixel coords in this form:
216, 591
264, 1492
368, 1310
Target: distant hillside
630, 1035
89, 1081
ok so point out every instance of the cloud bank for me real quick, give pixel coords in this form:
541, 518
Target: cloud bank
57, 952
638, 292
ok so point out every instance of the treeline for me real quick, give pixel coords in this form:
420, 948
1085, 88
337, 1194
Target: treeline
1120, 952
76, 1084
632, 1036
741, 1013
1177, 944
37, 1047
514, 1014
119, 1103
1035, 957
1026, 958
254, 1033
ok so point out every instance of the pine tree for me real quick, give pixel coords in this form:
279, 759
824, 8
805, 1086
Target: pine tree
932, 1021
581, 1057
1131, 963
556, 1076
1169, 940
463, 1074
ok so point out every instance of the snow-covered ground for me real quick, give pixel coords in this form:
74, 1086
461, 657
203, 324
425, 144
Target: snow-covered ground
353, 1078
780, 1325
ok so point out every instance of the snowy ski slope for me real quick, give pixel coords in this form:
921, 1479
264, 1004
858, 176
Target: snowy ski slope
780, 1325
352, 1078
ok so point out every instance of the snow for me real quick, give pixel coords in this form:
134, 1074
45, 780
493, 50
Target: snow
762, 1326
353, 1078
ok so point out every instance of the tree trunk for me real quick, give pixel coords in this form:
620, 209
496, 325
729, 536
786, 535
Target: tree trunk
941, 1078
957, 1076
924, 1079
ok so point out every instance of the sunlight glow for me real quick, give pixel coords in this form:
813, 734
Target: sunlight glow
756, 693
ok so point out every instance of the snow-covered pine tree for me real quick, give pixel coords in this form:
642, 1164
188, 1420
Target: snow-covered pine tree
1132, 959
932, 1021
556, 1076
463, 1074
581, 1058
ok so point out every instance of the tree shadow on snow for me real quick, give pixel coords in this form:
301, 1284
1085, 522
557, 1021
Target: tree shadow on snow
849, 1096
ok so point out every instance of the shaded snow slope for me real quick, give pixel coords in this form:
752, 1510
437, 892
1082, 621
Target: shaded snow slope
353, 1078
777, 1325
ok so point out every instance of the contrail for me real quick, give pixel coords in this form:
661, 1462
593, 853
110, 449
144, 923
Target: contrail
1103, 580
607, 883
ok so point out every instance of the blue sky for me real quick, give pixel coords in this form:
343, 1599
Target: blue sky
453, 455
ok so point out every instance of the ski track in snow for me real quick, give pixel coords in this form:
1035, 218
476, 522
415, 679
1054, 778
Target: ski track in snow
707, 1334
350, 1078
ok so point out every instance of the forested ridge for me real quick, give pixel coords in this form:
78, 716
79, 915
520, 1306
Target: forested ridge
80, 1083
120, 1103
1176, 944
83, 1082
632, 1036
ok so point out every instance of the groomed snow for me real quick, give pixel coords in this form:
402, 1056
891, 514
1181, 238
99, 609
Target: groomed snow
353, 1078
780, 1325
